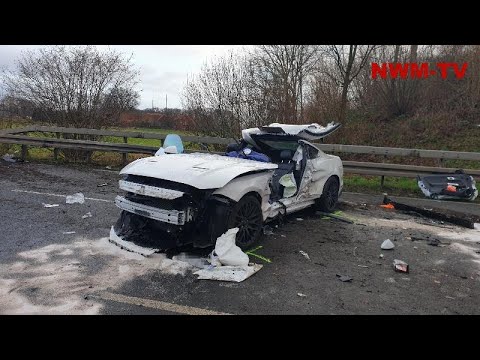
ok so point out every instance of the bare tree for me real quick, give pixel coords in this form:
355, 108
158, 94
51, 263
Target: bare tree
349, 61
285, 69
77, 86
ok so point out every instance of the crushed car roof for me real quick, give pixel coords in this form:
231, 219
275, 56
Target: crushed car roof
310, 132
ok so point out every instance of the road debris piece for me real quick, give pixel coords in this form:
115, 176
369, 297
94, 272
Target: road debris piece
334, 216
380, 256
267, 230
301, 295
87, 215
387, 245
50, 205
453, 217
400, 266
252, 252
304, 254
228, 273
228, 252
9, 158
299, 219
77, 198
68, 232
363, 266
108, 167
344, 278
458, 186
115, 239
101, 185
387, 206
194, 260
228, 261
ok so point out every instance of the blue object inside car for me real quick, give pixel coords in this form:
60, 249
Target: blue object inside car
249, 154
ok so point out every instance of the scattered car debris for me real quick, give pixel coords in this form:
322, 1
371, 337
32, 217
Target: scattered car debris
50, 205
344, 278
108, 167
363, 266
301, 295
448, 186
450, 297
252, 252
87, 215
194, 260
228, 273
442, 215
101, 185
127, 245
228, 252
267, 230
387, 245
304, 254
77, 198
68, 232
387, 206
380, 256
9, 158
334, 216
228, 261
400, 266
299, 219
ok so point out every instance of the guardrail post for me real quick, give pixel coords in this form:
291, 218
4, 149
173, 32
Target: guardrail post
55, 150
125, 154
24, 152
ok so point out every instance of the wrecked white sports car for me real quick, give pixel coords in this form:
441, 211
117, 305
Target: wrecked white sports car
174, 198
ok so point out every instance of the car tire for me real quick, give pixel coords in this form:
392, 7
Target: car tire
328, 201
247, 215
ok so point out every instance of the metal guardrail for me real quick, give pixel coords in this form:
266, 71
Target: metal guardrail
20, 136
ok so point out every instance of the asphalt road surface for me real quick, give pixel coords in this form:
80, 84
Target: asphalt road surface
58, 260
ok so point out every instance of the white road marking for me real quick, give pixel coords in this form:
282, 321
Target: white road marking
58, 195
155, 304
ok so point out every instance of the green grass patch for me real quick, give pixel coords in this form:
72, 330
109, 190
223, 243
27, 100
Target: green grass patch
372, 184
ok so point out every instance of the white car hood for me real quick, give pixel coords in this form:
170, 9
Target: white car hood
203, 171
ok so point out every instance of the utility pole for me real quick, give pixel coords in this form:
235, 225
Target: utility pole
166, 102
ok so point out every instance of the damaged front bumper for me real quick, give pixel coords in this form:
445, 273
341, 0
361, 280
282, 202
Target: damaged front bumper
162, 214
175, 217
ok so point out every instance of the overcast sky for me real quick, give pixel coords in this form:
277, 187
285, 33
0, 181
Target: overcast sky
164, 68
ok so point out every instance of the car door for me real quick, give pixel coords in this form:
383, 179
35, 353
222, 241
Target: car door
317, 171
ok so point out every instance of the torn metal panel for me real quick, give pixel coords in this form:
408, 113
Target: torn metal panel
448, 186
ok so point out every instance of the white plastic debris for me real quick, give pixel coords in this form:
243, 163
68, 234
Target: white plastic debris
228, 273
77, 198
387, 245
50, 205
101, 185
304, 254
228, 252
87, 215
299, 219
117, 240
400, 266
9, 158
68, 232
301, 295
194, 260
380, 256
476, 226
